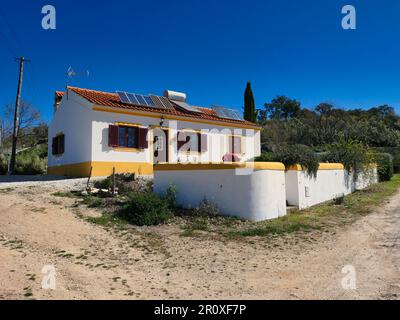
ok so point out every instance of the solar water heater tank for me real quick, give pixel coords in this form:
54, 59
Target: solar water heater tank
174, 95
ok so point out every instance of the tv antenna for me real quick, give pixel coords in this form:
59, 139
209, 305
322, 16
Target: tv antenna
71, 73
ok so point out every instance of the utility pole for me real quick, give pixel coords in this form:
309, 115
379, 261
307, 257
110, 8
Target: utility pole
21, 60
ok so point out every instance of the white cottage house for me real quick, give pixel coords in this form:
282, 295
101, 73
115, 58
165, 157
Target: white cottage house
94, 132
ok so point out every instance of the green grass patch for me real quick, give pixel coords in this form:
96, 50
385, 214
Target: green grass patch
94, 202
196, 224
6, 190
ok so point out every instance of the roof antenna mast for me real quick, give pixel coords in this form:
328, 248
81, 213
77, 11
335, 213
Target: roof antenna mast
71, 73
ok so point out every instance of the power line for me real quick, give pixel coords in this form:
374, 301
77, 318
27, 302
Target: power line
16, 45
10, 46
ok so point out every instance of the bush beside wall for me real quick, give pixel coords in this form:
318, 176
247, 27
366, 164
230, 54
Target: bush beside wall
146, 209
395, 152
385, 166
293, 154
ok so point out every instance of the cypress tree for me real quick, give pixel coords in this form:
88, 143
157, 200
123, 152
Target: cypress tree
249, 105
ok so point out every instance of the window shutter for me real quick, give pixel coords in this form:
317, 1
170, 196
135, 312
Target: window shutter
112, 136
62, 139
203, 142
180, 142
142, 138
53, 146
237, 144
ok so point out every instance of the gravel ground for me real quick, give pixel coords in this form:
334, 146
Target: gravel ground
47, 181
96, 262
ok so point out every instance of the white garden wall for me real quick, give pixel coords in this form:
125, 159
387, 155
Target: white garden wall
255, 193
332, 181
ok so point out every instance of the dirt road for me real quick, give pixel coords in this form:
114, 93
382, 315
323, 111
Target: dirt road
91, 262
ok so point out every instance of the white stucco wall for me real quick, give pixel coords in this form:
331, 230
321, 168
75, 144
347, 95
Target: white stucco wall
73, 119
257, 196
217, 140
304, 191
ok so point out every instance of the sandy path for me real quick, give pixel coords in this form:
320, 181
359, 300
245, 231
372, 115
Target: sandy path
38, 229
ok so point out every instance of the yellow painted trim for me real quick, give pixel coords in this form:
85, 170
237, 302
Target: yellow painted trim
71, 170
169, 117
331, 166
322, 166
189, 130
127, 124
219, 166
101, 168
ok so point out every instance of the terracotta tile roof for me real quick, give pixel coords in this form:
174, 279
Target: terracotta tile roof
59, 94
112, 100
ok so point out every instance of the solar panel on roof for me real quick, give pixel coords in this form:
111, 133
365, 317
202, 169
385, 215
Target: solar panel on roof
132, 98
159, 102
233, 114
226, 113
136, 99
123, 97
165, 102
186, 107
141, 100
149, 101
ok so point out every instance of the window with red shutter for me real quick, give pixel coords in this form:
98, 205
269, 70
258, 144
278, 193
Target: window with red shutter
112, 136
53, 146
58, 145
203, 142
127, 137
142, 138
235, 144
183, 138
61, 143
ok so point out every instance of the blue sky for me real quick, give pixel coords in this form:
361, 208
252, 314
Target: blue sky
208, 49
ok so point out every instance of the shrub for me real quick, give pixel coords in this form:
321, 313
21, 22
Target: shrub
206, 208
3, 164
354, 156
146, 209
265, 157
395, 152
29, 163
338, 200
103, 184
94, 202
125, 177
170, 195
385, 166
126, 183
298, 154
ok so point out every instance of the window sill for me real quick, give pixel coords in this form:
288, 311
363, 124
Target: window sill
124, 149
191, 152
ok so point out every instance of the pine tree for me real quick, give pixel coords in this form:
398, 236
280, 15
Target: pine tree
249, 105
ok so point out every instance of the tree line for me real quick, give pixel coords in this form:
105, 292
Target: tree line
285, 122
